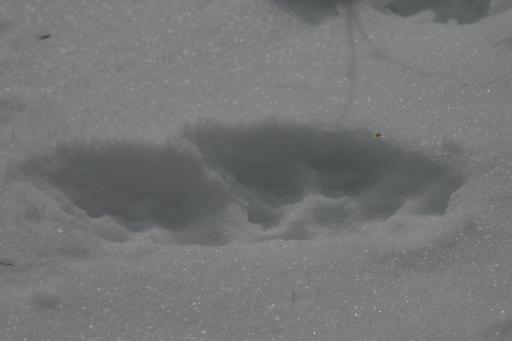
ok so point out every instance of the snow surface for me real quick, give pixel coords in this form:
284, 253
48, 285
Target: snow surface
255, 170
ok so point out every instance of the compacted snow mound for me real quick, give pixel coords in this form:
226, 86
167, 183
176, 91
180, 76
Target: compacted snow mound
283, 178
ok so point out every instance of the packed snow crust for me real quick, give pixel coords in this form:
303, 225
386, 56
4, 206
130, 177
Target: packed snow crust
255, 170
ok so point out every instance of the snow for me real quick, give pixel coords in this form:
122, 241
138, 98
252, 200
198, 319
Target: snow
255, 170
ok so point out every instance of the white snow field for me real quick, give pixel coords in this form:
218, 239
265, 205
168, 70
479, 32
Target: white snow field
256, 170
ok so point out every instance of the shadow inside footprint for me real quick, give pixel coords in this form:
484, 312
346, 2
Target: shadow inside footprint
272, 171
273, 165
463, 11
140, 185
